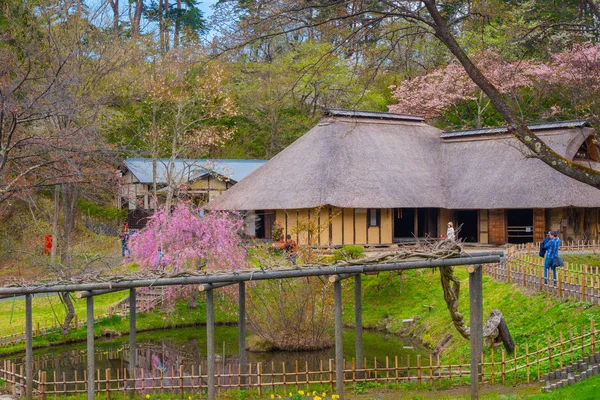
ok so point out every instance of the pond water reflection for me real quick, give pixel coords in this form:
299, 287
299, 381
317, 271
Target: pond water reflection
160, 352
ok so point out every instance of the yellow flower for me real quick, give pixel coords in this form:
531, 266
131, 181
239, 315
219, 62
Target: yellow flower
278, 396
291, 394
147, 396
272, 396
317, 398
314, 393
335, 396
323, 394
301, 392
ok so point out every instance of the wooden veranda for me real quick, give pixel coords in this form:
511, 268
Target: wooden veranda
212, 281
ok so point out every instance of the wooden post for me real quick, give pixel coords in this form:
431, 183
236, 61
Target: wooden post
90, 347
358, 324
210, 344
242, 332
28, 348
339, 350
132, 329
476, 336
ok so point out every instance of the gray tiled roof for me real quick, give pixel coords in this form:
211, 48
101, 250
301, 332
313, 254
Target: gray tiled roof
190, 169
504, 129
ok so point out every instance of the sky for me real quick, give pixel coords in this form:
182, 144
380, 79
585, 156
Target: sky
205, 6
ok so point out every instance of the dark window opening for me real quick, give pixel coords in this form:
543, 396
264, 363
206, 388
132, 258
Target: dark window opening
519, 225
467, 225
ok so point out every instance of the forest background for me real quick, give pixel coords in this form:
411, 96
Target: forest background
85, 84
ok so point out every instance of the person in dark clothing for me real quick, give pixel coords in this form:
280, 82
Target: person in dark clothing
125, 244
290, 249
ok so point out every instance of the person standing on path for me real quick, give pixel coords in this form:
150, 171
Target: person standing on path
450, 232
552, 247
125, 244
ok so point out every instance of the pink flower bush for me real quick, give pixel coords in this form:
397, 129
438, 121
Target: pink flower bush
188, 238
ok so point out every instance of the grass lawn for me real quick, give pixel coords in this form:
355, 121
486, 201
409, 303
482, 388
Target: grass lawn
589, 259
48, 310
388, 298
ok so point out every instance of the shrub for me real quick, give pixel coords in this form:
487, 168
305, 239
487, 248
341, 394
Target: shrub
348, 252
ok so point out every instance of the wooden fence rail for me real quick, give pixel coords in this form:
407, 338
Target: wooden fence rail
526, 364
525, 268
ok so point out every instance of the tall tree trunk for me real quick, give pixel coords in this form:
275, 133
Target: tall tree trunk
137, 18
114, 4
69, 211
161, 26
70, 309
177, 26
55, 231
167, 25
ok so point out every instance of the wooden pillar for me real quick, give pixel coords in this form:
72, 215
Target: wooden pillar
242, 330
28, 347
476, 331
358, 323
339, 350
539, 224
90, 347
210, 344
132, 330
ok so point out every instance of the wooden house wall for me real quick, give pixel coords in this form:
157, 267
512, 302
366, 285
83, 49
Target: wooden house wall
336, 225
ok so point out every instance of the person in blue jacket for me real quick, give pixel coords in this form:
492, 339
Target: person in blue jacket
551, 249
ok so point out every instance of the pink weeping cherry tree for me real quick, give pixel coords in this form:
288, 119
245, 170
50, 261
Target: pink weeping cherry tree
188, 239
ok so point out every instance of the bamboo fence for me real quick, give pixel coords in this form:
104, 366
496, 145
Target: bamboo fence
525, 268
527, 364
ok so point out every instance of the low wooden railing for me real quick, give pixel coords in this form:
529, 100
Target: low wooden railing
528, 363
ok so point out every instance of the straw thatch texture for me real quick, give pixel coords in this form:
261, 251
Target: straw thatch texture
368, 163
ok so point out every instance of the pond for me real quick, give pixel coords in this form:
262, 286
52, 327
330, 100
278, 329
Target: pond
165, 350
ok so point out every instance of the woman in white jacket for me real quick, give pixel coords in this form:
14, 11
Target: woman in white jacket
450, 231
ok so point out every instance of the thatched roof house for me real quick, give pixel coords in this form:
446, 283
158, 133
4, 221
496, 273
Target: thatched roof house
411, 178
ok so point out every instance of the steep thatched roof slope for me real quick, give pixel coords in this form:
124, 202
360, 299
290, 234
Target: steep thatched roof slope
496, 173
362, 161
347, 162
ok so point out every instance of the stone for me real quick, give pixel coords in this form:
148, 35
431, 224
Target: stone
584, 375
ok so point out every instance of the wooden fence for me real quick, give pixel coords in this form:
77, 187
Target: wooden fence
528, 363
525, 268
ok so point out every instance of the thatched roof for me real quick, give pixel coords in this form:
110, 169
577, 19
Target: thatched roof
358, 161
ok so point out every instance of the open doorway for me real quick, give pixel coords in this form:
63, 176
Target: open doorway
467, 222
519, 225
264, 224
404, 223
415, 222
427, 221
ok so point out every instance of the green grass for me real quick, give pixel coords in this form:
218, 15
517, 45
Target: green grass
47, 310
389, 298
590, 259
